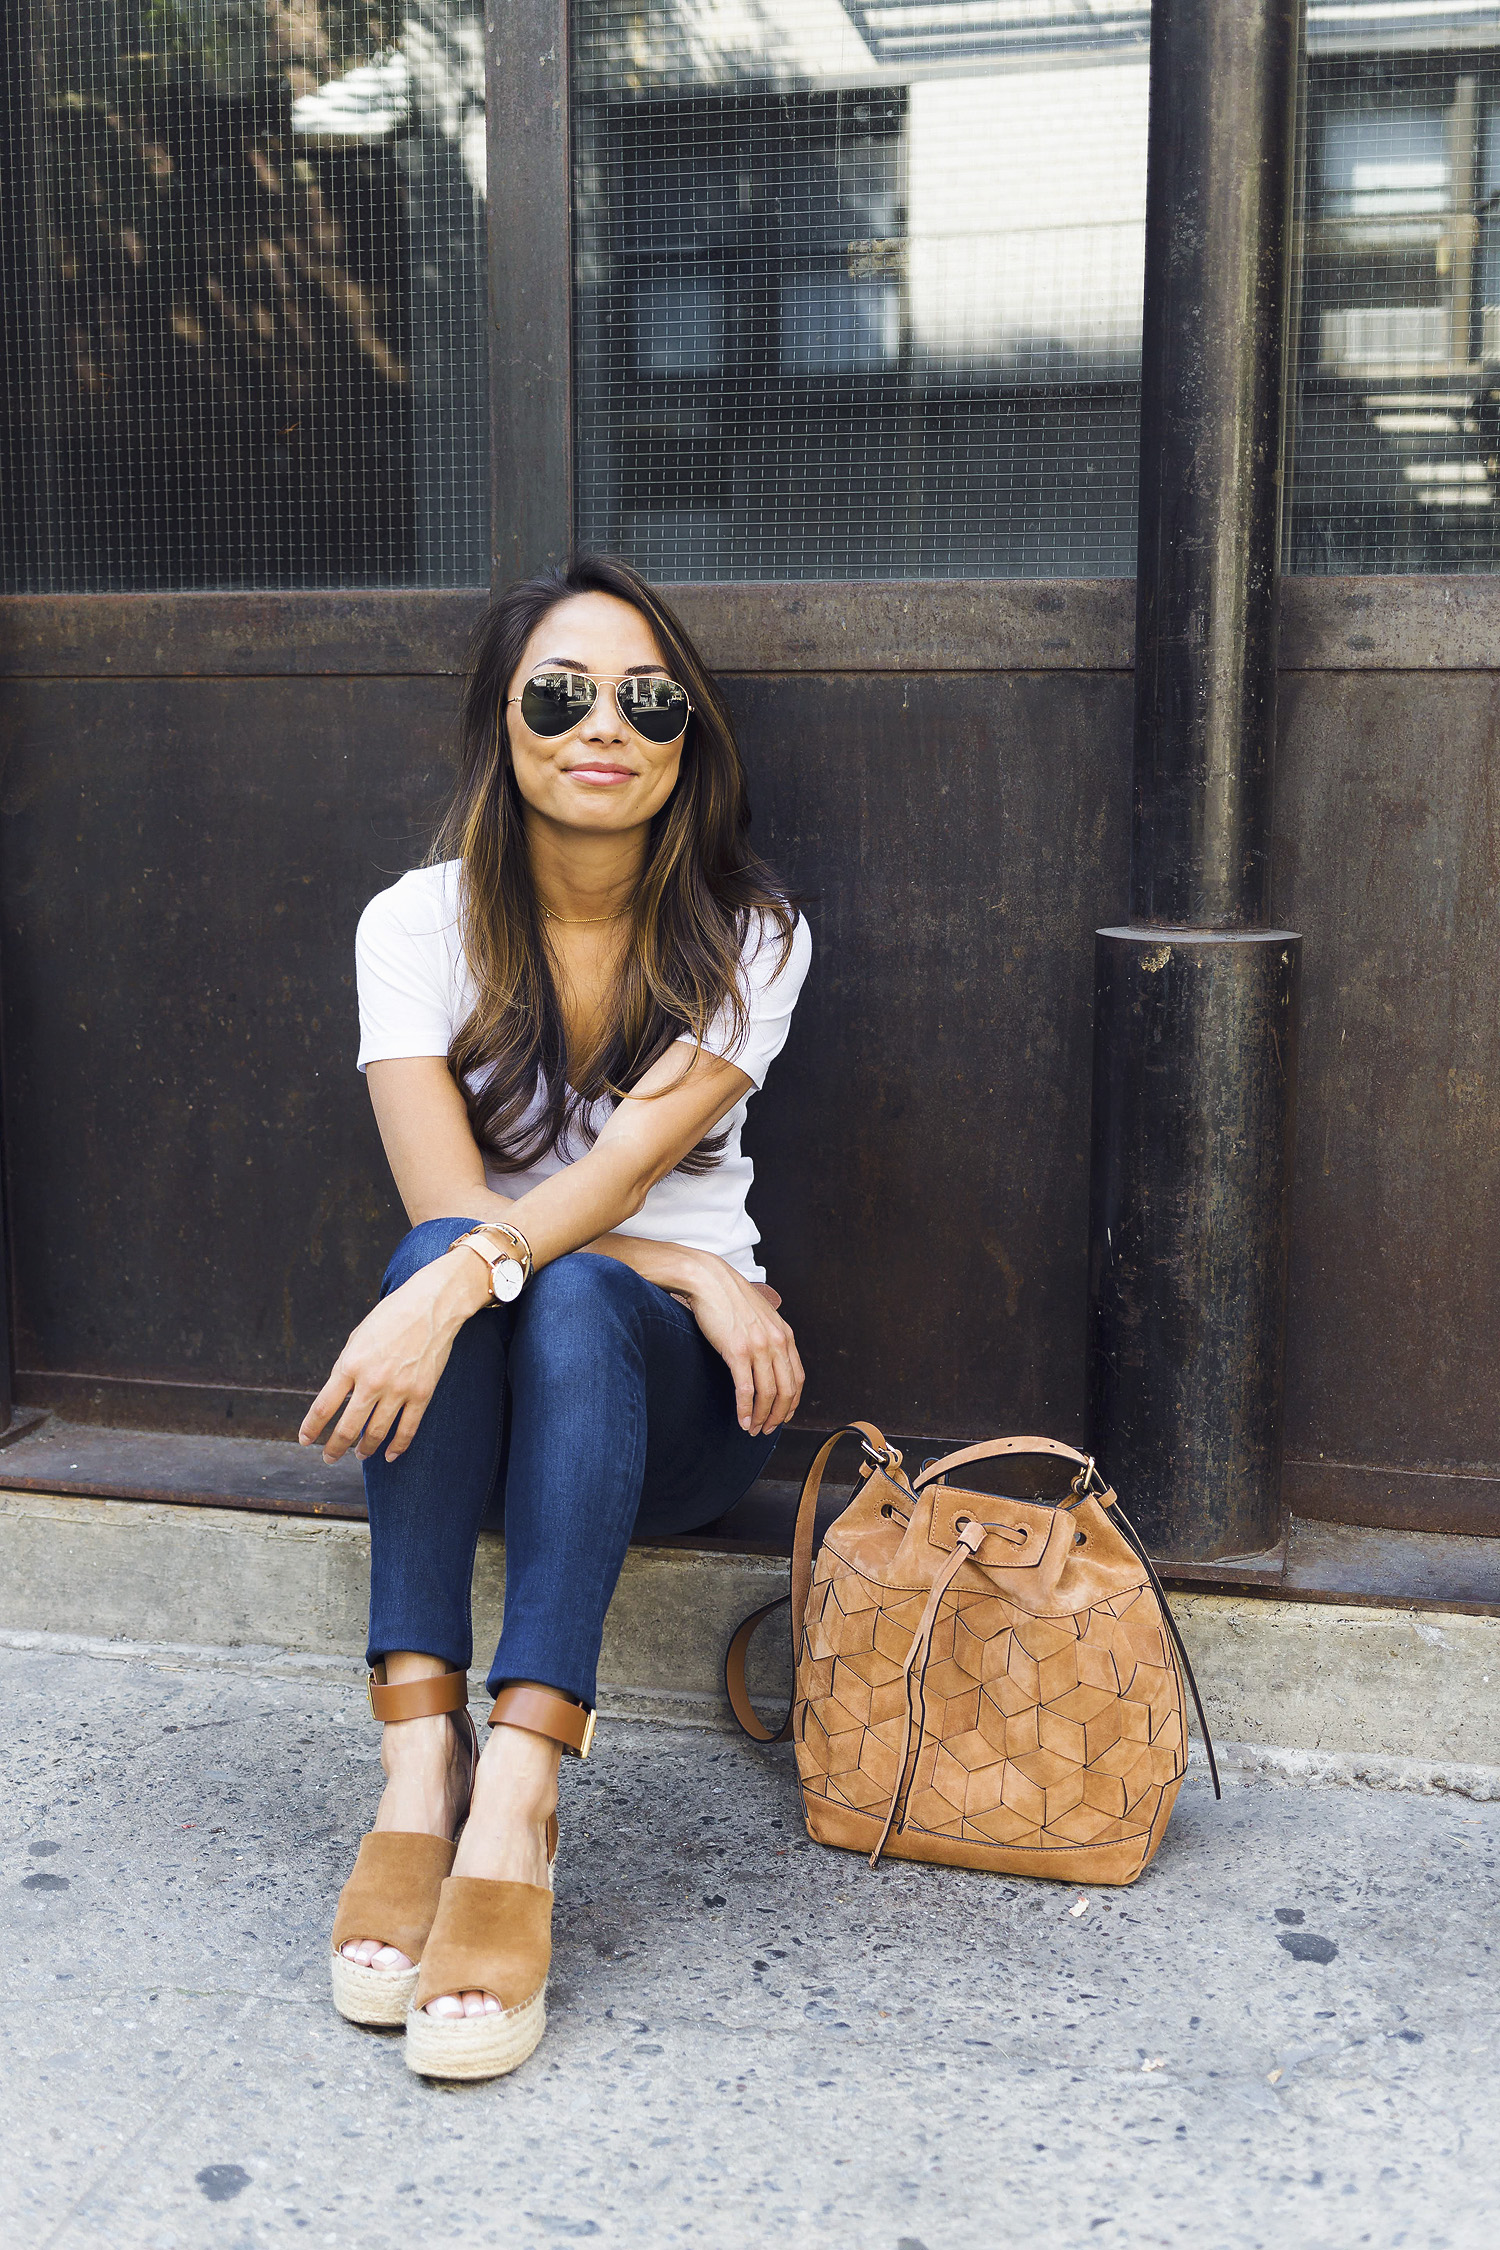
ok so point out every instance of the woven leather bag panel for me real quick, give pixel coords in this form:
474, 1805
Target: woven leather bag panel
1038, 1733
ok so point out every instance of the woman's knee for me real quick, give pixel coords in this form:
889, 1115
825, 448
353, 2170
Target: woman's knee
577, 1298
425, 1242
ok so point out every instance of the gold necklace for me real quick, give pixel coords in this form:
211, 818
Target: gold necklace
582, 921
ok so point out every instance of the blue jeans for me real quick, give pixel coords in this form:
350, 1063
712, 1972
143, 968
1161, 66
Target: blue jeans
595, 1406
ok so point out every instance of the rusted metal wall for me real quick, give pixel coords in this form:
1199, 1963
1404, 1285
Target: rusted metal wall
923, 1149
1387, 858
195, 1185
200, 793
182, 864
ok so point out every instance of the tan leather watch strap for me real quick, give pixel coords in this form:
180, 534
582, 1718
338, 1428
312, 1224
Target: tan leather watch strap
418, 1699
543, 1711
494, 1242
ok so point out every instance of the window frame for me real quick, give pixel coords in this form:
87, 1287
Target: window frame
529, 165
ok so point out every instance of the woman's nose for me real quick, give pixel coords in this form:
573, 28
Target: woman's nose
603, 722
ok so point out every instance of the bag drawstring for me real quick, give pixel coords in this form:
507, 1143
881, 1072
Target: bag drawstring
970, 1540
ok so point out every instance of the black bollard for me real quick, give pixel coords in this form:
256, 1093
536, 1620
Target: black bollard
1196, 1000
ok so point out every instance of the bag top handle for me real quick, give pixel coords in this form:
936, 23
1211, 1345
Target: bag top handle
1012, 1445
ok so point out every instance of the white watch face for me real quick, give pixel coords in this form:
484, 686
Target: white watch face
506, 1278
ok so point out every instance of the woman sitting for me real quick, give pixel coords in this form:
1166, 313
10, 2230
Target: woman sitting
563, 1019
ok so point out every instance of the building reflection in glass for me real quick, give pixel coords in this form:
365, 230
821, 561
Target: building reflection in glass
244, 332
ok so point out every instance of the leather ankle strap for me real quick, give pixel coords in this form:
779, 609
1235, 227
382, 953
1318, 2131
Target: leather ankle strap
543, 1711
418, 1699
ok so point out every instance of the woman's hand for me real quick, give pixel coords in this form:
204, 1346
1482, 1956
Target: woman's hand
740, 1320
389, 1369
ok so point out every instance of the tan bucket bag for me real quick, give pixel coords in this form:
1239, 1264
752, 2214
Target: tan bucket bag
980, 1682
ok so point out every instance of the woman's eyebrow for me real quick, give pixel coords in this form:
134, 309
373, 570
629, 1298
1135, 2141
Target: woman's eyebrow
574, 664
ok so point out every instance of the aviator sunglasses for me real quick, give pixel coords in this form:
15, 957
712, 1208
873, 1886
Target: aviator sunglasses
553, 701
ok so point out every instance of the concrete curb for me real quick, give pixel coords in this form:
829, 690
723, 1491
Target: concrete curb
1238, 1761
1311, 1691
1423, 1777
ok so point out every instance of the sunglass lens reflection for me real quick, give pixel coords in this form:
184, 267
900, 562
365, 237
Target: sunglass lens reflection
656, 708
551, 702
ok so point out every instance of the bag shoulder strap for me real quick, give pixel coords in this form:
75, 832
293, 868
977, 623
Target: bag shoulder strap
802, 1566
1134, 1539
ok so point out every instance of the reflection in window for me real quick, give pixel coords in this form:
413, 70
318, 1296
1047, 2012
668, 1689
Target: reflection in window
1397, 427
832, 325
858, 286
924, 221
243, 324
679, 326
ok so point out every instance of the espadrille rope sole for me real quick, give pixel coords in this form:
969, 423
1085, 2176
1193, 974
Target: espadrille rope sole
474, 2046
371, 1996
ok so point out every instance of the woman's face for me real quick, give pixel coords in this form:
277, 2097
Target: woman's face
601, 775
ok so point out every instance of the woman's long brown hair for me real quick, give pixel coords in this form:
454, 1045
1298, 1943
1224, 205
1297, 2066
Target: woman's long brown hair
700, 889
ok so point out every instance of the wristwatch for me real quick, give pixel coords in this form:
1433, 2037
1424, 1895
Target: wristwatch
508, 1259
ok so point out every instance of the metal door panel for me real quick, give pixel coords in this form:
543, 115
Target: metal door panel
196, 1190
922, 1149
1387, 857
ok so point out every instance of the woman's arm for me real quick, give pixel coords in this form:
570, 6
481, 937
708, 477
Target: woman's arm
439, 1172
424, 1130
388, 1369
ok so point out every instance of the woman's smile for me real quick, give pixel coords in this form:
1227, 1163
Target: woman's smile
599, 773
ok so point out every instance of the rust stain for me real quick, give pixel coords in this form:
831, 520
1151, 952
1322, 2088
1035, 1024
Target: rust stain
1011, 1275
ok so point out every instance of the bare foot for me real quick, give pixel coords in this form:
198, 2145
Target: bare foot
505, 1837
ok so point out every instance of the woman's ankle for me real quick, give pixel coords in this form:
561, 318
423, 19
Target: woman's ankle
425, 1776
505, 1800
504, 1842
412, 1747
518, 1770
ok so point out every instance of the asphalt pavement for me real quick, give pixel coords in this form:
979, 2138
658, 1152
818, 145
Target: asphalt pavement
1284, 2035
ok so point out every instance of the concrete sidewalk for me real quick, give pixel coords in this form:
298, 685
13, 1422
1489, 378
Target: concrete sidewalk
1284, 2035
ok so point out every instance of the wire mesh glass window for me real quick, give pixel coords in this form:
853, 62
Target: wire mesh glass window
243, 322
858, 285
1397, 427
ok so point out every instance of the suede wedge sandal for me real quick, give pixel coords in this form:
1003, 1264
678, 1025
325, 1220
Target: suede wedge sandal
494, 1937
398, 1876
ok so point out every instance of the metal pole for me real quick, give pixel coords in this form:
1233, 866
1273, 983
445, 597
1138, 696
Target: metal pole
1196, 999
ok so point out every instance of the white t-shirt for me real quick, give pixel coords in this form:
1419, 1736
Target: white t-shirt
415, 990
